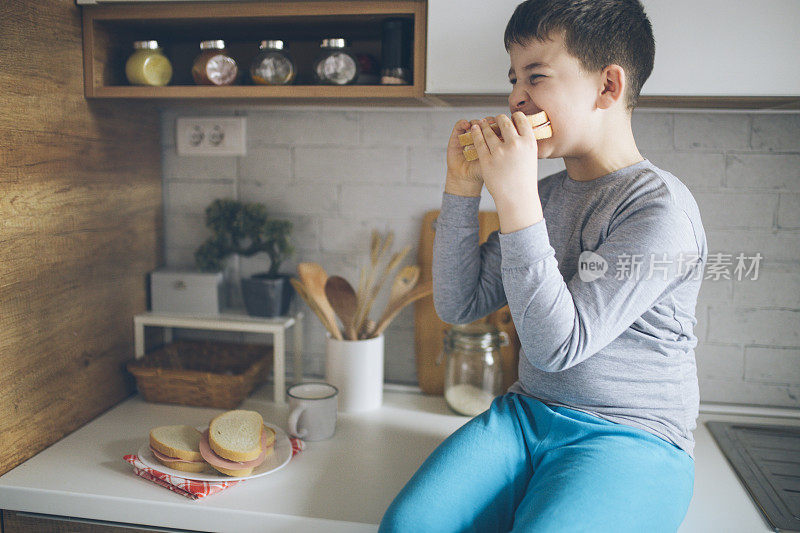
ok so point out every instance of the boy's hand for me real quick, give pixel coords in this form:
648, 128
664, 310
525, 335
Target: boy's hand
509, 168
463, 177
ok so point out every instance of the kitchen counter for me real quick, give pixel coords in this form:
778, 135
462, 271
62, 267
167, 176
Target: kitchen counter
342, 484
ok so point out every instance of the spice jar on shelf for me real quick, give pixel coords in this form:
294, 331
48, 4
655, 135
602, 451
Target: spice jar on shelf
214, 65
336, 65
395, 52
148, 65
273, 65
473, 367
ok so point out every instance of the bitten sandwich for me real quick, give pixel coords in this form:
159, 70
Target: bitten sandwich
236, 442
539, 122
177, 447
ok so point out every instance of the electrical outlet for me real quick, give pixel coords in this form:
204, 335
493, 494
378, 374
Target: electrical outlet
210, 136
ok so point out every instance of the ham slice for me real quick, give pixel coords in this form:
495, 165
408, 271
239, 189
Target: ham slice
215, 460
163, 457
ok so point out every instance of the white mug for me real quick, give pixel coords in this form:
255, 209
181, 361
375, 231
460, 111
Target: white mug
314, 406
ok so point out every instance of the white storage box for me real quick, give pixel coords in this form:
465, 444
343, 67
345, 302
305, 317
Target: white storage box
197, 293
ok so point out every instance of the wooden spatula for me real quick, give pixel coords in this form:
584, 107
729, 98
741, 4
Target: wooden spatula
314, 278
405, 280
393, 263
303, 292
420, 291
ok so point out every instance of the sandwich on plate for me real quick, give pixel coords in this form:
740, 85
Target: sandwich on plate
236, 442
177, 447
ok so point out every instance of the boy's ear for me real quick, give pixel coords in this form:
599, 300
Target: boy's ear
614, 86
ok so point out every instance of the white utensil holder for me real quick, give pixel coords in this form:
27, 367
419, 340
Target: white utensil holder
356, 369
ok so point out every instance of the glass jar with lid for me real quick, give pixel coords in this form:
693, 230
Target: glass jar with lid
336, 65
148, 65
273, 65
473, 367
395, 52
214, 65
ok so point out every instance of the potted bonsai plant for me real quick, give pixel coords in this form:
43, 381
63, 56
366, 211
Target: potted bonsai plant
245, 229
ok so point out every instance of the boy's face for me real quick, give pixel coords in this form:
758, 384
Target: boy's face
546, 77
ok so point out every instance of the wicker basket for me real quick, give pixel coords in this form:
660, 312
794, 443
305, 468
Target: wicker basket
201, 373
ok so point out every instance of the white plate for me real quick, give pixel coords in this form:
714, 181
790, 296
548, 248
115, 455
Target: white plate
274, 461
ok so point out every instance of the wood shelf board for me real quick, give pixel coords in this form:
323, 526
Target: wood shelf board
350, 27
250, 22
721, 102
259, 92
246, 11
645, 102
405, 95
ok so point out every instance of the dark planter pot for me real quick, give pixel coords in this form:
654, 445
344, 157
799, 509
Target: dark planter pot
267, 296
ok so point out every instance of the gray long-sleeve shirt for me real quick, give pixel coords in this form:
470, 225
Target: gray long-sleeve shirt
602, 293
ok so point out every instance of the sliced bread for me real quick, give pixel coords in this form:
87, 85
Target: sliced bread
180, 464
234, 468
236, 435
178, 447
180, 442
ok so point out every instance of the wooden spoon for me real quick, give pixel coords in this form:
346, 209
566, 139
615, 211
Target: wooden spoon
314, 278
420, 291
343, 299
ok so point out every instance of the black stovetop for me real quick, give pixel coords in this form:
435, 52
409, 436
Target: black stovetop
767, 460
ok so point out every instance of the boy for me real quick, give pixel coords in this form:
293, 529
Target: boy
600, 265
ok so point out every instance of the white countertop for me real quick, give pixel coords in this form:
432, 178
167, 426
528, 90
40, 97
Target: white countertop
342, 484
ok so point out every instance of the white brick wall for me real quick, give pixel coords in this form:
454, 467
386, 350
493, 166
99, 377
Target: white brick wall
337, 174
744, 170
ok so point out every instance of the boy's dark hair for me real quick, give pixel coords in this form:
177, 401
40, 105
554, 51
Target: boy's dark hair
597, 32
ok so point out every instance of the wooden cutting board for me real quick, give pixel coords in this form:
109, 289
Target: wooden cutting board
429, 329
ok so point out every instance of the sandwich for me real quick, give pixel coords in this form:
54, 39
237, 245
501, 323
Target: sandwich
539, 122
177, 447
236, 442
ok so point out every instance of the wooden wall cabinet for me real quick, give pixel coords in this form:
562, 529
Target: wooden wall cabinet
710, 53
109, 31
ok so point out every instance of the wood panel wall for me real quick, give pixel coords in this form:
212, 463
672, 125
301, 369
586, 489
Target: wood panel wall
80, 226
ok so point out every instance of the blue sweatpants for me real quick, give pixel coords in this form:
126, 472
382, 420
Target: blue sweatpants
525, 466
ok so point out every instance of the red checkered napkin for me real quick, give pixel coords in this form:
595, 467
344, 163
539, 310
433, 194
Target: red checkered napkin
192, 488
